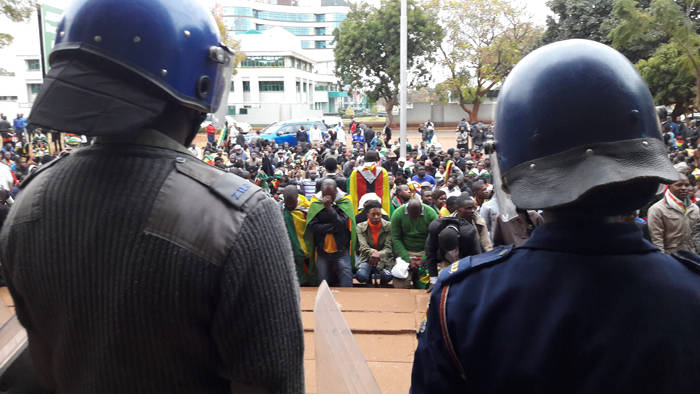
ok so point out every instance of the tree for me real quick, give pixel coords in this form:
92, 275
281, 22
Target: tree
368, 48
668, 77
675, 22
16, 11
233, 45
578, 19
484, 40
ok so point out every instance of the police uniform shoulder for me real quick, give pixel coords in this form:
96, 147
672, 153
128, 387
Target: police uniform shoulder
468, 265
234, 190
689, 259
43, 168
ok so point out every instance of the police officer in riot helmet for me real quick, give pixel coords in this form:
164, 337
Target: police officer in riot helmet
586, 305
134, 266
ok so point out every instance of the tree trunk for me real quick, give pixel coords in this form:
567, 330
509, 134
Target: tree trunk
465, 109
474, 114
389, 108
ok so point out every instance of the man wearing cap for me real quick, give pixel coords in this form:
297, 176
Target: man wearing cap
176, 277
586, 305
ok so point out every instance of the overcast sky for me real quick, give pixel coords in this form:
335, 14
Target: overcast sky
537, 8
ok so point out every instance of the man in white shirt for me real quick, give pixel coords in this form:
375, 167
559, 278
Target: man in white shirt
316, 137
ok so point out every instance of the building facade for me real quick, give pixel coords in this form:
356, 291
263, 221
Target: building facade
20, 67
289, 69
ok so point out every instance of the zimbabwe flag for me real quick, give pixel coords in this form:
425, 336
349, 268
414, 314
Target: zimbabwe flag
370, 179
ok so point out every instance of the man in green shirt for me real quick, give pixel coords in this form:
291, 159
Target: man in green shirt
409, 230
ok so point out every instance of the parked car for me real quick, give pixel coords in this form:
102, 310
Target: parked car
281, 132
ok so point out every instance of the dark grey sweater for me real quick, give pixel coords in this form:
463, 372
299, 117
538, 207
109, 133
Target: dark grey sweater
138, 269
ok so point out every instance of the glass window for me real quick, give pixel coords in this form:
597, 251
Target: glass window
231, 110
298, 87
320, 31
242, 24
304, 87
320, 44
243, 111
271, 86
233, 84
246, 86
34, 88
33, 65
306, 44
263, 61
283, 16
8, 98
298, 31
320, 17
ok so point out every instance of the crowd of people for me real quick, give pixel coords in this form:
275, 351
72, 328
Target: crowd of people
438, 206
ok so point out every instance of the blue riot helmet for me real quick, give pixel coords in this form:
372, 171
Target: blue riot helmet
574, 117
116, 63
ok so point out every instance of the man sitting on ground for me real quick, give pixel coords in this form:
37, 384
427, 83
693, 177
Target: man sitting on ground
374, 238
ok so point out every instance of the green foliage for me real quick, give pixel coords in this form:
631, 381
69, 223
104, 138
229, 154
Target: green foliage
673, 23
484, 40
16, 11
578, 19
234, 45
669, 77
368, 47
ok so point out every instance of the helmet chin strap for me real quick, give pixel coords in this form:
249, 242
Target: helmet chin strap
196, 122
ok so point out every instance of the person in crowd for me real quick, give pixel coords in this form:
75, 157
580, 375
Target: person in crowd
19, 124
120, 288
330, 234
375, 246
211, 134
451, 188
295, 223
515, 231
439, 200
308, 184
5, 126
562, 312
450, 239
462, 138
387, 134
672, 218
422, 176
427, 199
315, 137
409, 231
401, 197
465, 208
369, 137
331, 167
371, 177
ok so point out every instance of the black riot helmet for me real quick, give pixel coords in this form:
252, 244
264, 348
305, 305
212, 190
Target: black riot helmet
573, 118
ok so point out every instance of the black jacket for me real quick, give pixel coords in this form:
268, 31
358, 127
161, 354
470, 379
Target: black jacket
330, 221
468, 241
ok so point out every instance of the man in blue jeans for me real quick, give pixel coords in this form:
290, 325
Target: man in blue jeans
374, 239
329, 234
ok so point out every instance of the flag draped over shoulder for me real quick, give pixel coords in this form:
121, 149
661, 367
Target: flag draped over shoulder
345, 204
370, 179
295, 223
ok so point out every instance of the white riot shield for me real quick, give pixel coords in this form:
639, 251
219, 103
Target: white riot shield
13, 338
340, 366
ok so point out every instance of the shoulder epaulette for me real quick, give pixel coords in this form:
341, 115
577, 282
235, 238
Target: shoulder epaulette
467, 265
233, 189
43, 168
689, 259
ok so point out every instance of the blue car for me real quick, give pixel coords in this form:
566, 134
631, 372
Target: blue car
286, 132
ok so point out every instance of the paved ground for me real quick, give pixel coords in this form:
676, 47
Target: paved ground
383, 322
